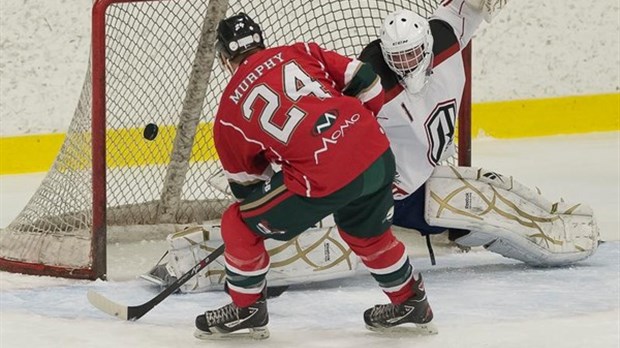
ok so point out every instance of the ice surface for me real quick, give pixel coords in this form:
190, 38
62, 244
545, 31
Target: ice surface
480, 299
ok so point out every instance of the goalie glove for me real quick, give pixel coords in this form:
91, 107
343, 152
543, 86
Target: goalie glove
489, 8
219, 181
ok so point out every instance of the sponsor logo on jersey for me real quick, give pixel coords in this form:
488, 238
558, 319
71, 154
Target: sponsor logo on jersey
335, 136
325, 122
440, 128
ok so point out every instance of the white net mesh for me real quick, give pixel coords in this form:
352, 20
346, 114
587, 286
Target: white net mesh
152, 186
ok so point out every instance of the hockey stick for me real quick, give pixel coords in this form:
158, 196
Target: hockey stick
136, 312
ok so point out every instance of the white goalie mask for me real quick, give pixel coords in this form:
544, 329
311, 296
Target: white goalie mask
407, 46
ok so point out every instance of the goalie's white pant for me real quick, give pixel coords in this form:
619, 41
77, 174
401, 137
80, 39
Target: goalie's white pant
508, 218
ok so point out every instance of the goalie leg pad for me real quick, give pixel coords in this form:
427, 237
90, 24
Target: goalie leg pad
509, 218
318, 254
186, 248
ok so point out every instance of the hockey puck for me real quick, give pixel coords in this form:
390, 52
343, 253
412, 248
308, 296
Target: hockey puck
150, 131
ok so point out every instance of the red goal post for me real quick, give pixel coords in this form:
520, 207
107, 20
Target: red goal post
152, 62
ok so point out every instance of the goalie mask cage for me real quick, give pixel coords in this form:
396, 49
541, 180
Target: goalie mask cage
152, 61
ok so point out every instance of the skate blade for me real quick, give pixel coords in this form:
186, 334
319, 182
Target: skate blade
257, 333
417, 330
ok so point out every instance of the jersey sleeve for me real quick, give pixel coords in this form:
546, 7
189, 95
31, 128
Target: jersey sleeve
463, 19
351, 76
241, 158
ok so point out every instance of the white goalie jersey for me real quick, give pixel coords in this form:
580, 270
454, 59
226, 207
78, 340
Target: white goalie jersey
421, 126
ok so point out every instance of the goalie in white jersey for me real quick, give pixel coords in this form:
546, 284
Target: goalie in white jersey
423, 75
422, 72
421, 67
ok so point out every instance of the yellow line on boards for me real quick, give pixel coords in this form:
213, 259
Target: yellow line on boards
29, 153
541, 117
507, 119
36, 153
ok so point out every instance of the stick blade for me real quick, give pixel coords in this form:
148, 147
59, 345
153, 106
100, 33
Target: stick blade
107, 306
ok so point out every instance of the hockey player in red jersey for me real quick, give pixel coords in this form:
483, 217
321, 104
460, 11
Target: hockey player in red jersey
422, 71
311, 112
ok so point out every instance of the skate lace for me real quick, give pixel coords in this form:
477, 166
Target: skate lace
223, 315
383, 312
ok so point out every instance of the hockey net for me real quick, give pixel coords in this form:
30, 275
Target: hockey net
153, 62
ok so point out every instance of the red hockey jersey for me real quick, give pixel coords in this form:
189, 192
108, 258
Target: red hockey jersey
309, 110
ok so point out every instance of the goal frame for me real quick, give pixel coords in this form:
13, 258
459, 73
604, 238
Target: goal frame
99, 231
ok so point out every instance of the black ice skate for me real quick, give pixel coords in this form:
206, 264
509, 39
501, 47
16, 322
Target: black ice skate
392, 318
228, 321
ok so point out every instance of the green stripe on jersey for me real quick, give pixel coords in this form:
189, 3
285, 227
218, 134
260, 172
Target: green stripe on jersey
363, 79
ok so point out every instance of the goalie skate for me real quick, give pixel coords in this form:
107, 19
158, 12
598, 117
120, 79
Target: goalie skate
393, 318
232, 322
161, 275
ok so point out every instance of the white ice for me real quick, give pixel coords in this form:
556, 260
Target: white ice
480, 299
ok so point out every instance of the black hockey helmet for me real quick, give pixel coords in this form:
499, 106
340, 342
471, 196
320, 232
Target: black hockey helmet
237, 35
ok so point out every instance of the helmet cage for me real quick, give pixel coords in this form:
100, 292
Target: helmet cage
407, 61
407, 48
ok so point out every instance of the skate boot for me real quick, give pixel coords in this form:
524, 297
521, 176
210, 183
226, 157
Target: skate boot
161, 275
228, 321
391, 317
454, 234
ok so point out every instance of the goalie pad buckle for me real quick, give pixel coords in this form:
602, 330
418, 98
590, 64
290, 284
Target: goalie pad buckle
509, 218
